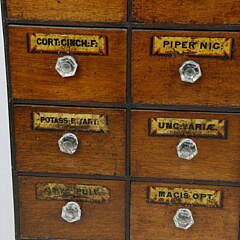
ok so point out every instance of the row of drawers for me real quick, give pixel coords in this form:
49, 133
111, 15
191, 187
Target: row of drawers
101, 148
214, 209
101, 72
190, 12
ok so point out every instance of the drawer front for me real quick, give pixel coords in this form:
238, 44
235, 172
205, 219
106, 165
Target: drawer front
100, 68
39, 137
156, 136
42, 216
156, 75
70, 10
154, 220
187, 12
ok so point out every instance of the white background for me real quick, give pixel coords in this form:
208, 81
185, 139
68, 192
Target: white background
6, 195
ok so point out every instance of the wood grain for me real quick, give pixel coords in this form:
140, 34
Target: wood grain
70, 10
98, 153
42, 219
217, 159
156, 80
98, 78
187, 12
155, 221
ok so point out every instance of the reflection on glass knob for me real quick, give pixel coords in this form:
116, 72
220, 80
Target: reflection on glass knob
187, 149
68, 143
190, 71
183, 218
66, 66
71, 212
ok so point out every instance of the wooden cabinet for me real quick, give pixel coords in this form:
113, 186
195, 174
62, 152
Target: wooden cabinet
124, 118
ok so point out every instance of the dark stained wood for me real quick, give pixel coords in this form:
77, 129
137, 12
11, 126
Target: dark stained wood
71, 10
42, 219
98, 153
217, 159
155, 221
156, 80
187, 12
98, 78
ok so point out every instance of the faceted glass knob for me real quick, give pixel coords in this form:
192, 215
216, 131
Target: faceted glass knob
66, 66
183, 218
187, 149
68, 143
190, 71
71, 212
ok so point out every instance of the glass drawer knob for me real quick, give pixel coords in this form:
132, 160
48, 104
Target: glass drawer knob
66, 66
68, 143
71, 212
183, 218
187, 149
190, 72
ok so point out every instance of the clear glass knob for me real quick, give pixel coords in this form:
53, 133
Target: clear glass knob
71, 212
68, 143
187, 149
190, 71
66, 66
183, 218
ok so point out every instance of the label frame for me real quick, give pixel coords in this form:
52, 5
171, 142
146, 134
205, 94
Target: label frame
73, 198
224, 136
31, 49
218, 205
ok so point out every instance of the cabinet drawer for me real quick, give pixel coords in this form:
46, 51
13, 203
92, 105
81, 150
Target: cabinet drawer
100, 55
153, 210
70, 10
42, 215
39, 137
187, 12
156, 75
156, 135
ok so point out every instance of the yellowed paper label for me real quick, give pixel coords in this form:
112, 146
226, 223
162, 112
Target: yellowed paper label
214, 128
192, 46
191, 197
70, 121
68, 43
85, 193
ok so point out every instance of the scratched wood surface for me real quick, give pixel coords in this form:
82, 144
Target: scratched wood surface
70, 10
98, 153
156, 80
217, 159
98, 78
187, 12
42, 219
155, 221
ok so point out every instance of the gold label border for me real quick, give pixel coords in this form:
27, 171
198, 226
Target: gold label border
95, 44
78, 192
192, 46
81, 122
185, 196
211, 128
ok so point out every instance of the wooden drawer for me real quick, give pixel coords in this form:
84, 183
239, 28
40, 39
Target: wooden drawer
155, 70
70, 10
101, 148
101, 73
154, 220
42, 199
187, 12
156, 135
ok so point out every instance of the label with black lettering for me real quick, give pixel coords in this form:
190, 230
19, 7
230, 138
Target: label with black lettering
70, 121
192, 46
212, 128
67, 43
184, 196
84, 193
